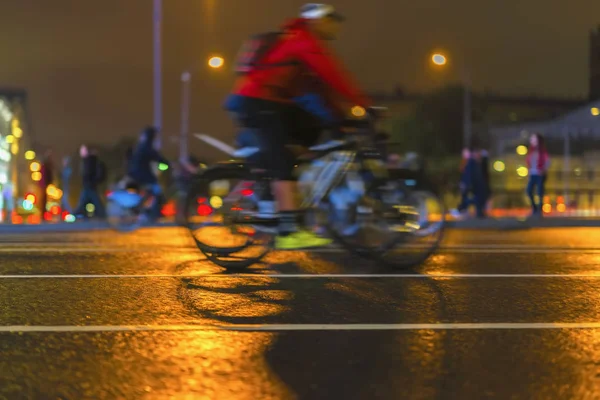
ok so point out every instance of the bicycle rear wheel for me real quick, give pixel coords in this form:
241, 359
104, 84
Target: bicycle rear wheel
220, 210
391, 223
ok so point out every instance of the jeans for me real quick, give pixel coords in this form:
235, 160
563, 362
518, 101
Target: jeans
536, 181
64, 201
472, 199
155, 191
89, 195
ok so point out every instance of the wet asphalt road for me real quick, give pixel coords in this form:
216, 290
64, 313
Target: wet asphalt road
141, 316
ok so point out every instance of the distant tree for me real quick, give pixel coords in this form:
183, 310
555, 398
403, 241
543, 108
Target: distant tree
436, 126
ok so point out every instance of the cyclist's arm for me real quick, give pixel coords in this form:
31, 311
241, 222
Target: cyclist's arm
318, 58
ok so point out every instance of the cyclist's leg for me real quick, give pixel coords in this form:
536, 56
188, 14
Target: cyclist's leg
275, 156
278, 159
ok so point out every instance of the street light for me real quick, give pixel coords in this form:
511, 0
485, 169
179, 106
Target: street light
157, 61
441, 60
216, 62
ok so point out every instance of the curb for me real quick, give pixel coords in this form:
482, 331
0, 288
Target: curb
68, 227
517, 224
471, 224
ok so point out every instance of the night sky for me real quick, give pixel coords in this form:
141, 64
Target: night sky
87, 64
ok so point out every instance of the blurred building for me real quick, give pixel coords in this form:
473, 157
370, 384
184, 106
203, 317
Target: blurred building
594, 65
496, 108
15, 144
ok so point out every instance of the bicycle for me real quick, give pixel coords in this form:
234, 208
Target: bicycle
346, 189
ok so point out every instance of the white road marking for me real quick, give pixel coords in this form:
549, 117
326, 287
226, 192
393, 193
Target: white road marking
307, 276
303, 327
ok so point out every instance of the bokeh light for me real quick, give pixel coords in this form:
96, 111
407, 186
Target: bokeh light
522, 150
358, 111
216, 202
522, 172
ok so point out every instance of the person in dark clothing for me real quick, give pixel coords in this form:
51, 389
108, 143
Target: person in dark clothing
128, 158
485, 175
65, 175
140, 167
47, 171
471, 184
89, 193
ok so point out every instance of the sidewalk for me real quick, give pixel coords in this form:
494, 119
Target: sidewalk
86, 226
471, 224
525, 223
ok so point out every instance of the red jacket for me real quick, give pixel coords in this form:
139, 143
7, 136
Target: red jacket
282, 83
537, 159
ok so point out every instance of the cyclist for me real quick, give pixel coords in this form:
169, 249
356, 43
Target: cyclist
267, 92
140, 167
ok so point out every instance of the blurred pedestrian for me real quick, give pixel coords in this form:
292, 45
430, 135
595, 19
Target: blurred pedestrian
89, 193
463, 184
471, 184
65, 175
8, 200
485, 176
538, 162
47, 172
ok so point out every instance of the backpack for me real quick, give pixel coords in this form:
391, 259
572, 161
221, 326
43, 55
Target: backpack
255, 49
100, 171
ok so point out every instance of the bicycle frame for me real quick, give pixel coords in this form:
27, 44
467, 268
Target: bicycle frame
329, 177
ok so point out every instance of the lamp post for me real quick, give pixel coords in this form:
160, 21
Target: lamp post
441, 60
215, 62
157, 64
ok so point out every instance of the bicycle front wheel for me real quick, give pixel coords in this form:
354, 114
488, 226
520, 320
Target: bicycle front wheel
390, 223
422, 235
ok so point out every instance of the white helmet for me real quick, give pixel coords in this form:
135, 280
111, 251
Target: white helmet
318, 11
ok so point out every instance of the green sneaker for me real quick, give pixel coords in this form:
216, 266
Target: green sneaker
300, 240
